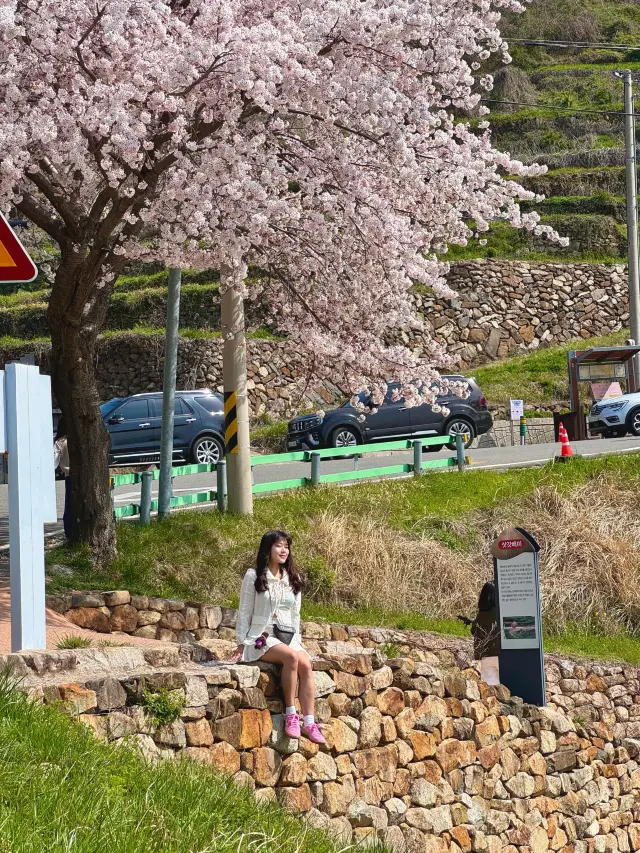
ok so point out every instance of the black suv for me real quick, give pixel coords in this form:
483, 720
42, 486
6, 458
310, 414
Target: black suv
134, 427
393, 420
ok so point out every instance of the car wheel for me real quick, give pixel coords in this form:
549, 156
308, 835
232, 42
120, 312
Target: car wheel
207, 450
633, 422
458, 426
344, 437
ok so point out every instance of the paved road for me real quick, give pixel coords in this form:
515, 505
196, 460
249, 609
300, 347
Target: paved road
488, 458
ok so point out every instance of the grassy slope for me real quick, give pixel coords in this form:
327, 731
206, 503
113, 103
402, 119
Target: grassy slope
539, 378
201, 555
64, 792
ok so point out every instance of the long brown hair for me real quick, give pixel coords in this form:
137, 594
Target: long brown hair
262, 561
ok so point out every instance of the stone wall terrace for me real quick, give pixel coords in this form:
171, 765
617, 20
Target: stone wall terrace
420, 753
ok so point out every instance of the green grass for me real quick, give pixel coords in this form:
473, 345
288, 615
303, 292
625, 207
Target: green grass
579, 170
598, 203
575, 641
24, 298
147, 555
584, 66
539, 378
274, 430
191, 334
505, 241
164, 706
9, 341
382, 618
64, 792
73, 641
153, 558
159, 279
151, 331
198, 555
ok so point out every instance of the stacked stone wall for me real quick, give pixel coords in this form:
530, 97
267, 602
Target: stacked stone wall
503, 308
421, 754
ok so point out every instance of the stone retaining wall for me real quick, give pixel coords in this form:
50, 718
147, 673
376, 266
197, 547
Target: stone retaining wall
508, 307
133, 364
420, 754
503, 308
607, 694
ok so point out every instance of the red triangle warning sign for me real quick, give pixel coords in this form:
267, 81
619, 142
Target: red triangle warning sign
16, 267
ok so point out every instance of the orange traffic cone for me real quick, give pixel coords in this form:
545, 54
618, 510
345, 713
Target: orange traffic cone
565, 448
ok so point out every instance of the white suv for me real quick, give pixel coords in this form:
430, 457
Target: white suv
615, 417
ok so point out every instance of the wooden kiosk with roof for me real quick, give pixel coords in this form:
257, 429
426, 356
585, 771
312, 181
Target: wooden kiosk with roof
609, 370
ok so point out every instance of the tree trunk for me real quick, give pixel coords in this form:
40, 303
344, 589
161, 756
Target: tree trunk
75, 322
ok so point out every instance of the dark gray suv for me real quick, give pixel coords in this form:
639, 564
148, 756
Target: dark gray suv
393, 420
134, 427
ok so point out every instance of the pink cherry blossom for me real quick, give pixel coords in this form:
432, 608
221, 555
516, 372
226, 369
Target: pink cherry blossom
316, 140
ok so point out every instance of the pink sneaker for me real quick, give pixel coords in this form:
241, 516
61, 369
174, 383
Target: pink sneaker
292, 726
313, 733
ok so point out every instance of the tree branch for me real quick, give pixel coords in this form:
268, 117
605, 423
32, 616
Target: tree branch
69, 216
30, 208
85, 36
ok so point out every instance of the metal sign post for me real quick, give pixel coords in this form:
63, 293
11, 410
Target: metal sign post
515, 562
26, 441
517, 411
25, 434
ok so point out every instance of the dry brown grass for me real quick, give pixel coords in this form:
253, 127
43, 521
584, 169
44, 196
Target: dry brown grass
376, 566
590, 559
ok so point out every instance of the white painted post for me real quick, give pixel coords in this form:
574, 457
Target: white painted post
28, 438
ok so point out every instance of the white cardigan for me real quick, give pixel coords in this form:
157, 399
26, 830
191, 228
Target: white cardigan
255, 613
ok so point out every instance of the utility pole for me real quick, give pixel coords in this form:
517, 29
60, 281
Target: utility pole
169, 392
632, 212
236, 403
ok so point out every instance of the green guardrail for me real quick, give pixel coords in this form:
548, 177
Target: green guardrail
146, 506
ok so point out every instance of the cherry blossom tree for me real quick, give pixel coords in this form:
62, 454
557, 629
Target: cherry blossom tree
314, 138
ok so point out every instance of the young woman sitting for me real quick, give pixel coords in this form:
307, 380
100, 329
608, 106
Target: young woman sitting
268, 628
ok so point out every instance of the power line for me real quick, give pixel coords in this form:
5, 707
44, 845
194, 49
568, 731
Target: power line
550, 107
565, 45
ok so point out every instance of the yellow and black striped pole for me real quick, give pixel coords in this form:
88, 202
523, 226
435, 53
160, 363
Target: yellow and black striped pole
234, 381
230, 422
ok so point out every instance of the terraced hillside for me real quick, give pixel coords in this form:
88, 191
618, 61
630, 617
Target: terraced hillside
139, 303
575, 128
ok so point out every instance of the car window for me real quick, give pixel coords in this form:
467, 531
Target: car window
109, 406
210, 402
388, 399
182, 407
134, 410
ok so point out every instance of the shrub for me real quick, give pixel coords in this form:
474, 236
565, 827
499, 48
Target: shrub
165, 706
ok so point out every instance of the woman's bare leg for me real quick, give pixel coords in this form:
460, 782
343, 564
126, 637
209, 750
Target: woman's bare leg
306, 684
288, 659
